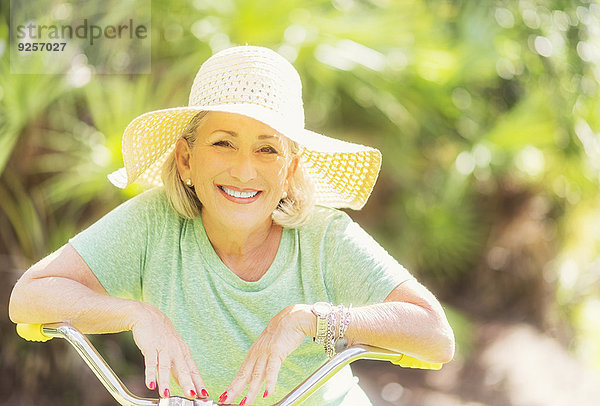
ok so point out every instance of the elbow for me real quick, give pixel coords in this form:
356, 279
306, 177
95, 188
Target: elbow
13, 308
446, 346
17, 303
439, 337
436, 341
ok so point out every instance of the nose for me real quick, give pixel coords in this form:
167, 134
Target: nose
242, 167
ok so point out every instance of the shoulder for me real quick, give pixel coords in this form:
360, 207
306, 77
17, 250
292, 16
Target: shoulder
336, 231
150, 208
325, 220
149, 201
322, 216
151, 198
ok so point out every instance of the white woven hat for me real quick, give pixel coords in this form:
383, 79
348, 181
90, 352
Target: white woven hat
261, 84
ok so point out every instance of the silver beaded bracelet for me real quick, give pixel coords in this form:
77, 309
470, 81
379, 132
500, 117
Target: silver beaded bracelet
338, 321
344, 321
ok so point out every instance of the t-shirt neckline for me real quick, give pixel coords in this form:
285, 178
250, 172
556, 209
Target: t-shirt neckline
216, 265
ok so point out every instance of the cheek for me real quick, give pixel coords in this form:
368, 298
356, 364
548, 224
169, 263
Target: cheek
278, 174
206, 165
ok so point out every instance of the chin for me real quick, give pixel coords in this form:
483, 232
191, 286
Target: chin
246, 220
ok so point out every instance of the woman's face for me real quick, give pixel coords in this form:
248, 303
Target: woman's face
239, 168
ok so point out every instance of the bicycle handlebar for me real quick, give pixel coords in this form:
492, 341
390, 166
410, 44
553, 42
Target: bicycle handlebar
39, 332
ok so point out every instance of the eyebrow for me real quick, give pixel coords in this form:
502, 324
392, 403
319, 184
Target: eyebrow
234, 134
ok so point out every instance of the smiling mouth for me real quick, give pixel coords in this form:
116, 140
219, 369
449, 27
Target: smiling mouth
238, 194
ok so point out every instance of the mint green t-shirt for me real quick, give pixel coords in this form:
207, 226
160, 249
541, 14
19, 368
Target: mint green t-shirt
143, 250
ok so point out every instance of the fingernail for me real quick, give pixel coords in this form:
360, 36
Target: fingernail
266, 393
204, 393
223, 397
193, 393
243, 402
152, 385
167, 393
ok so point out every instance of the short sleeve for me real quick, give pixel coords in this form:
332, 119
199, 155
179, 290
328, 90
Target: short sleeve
115, 246
358, 270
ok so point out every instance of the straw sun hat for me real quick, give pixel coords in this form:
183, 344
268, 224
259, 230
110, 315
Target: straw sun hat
258, 83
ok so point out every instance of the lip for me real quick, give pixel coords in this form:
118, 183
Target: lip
239, 200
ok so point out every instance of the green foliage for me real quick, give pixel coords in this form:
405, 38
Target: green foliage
23, 99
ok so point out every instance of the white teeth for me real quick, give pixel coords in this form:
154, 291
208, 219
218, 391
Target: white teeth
235, 193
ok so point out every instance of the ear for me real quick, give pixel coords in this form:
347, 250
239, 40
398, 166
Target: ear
293, 166
183, 154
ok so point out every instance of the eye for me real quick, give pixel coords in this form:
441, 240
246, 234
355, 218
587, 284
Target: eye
222, 143
268, 150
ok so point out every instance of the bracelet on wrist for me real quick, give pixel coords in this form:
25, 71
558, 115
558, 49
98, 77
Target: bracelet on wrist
322, 311
331, 325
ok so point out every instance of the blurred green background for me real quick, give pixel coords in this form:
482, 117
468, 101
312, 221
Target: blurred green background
488, 117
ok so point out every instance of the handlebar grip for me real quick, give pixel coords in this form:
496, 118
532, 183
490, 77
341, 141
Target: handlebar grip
410, 362
32, 332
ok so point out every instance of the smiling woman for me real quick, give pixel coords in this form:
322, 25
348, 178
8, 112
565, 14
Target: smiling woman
237, 173
223, 272
296, 201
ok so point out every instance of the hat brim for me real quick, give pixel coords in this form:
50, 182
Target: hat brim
343, 173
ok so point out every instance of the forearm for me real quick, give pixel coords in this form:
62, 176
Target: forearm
411, 321
58, 299
399, 326
405, 327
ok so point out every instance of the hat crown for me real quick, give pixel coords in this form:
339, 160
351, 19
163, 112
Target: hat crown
250, 75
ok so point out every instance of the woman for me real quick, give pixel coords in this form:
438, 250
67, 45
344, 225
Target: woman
240, 258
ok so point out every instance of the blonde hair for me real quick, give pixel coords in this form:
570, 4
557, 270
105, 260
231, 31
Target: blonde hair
291, 212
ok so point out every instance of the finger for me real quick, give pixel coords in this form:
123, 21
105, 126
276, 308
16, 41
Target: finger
196, 377
199, 387
240, 381
256, 380
150, 362
199, 384
164, 374
184, 377
271, 373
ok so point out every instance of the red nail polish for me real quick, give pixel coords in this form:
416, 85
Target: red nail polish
243, 402
152, 385
167, 393
266, 393
223, 397
193, 393
204, 393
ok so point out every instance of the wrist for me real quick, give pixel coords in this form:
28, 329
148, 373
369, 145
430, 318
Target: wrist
305, 319
138, 312
323, 312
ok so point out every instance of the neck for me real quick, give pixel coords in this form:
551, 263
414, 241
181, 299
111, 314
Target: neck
247, 252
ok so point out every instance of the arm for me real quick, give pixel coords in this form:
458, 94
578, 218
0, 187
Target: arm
397, 313
410, 321
358, 270
62, 288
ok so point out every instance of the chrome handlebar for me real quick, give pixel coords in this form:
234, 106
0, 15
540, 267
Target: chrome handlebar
122, 395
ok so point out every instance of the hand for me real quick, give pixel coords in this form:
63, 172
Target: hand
283, 334
164, 353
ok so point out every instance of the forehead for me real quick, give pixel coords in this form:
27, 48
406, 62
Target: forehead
238, 125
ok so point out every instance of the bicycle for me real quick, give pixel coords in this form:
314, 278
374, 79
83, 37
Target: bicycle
39, 332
